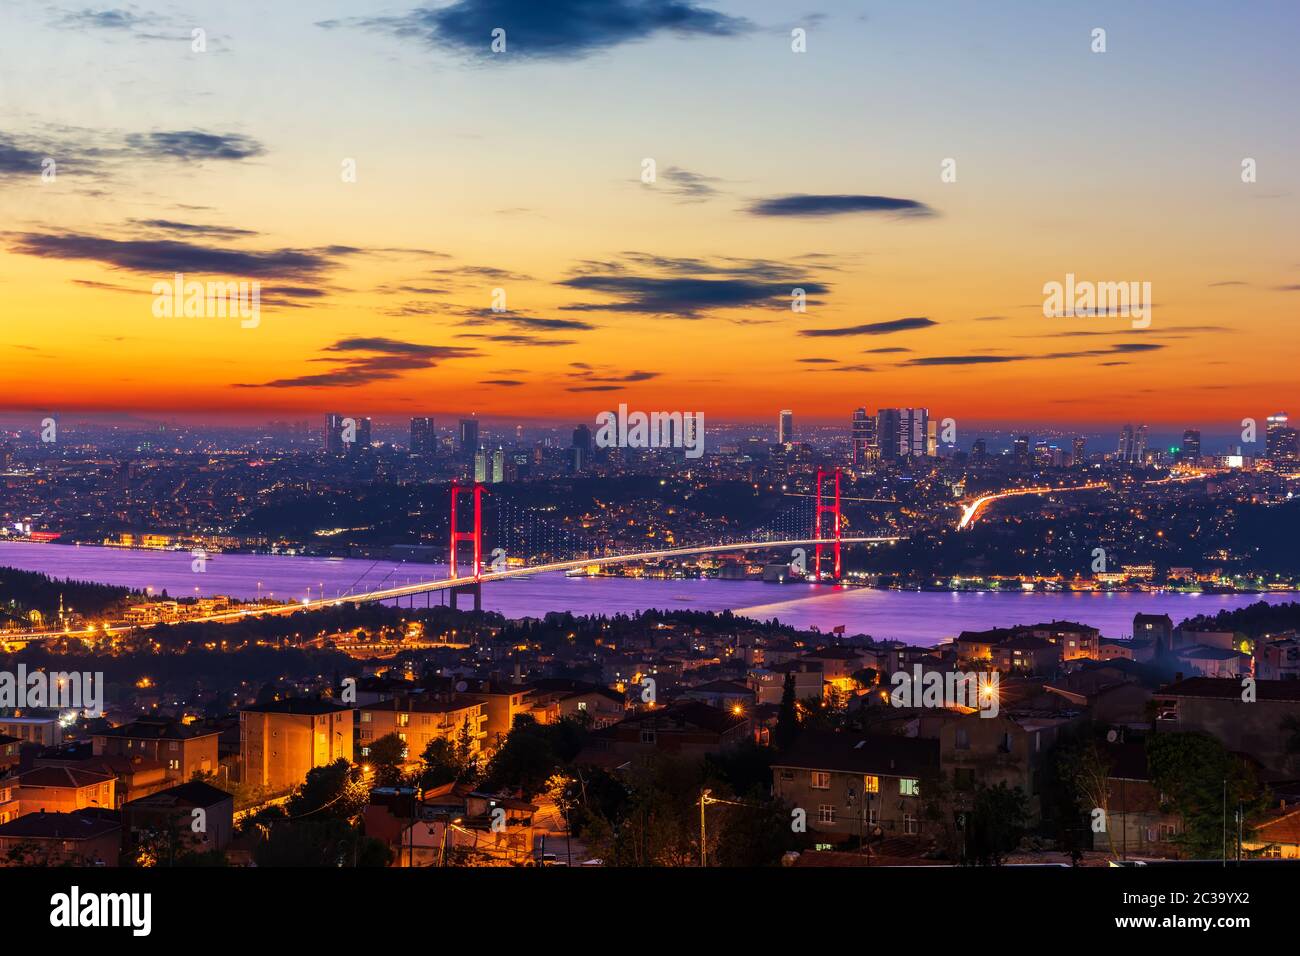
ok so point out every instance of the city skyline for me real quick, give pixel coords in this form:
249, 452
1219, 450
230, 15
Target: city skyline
478, 172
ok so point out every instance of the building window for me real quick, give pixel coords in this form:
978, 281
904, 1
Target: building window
870, 784
821, 780
647, 736
873, 816
963, 739
825, 813
365, 716
173, 764
911, 825
909, 787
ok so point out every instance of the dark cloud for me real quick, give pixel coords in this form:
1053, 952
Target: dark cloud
527, 323
689, 288
482, 272
88, 19
192, 229
871, 328
192, 145
502, 382
603, 378
16, 160
514, 339
362, 360
826, 205
163, 256
556, 29
686, 186
817, 361
885, 351
1118, 349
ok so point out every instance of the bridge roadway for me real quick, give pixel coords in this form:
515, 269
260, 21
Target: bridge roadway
443, 584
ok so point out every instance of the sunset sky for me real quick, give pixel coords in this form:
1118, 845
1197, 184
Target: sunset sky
775, 170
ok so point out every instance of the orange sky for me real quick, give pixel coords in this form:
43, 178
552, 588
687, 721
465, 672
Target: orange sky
525, 177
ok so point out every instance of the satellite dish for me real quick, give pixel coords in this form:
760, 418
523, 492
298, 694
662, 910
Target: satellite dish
1112, 736
461, 686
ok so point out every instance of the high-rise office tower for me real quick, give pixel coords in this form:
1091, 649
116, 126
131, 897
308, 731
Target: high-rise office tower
334, 434
1133, 444
1020, 450
979, 451
423, 440
863, 436
785, 427
1282, 441
888, 430
582, 438
480, 465
1079, 453
913, 432
1190, 453
362, 435
468, 439
498, 466
932, 438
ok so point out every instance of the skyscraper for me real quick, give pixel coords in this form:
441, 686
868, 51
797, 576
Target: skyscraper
423, 440
1190, 453
1283, 442
1079, 454
979, 451
785, 427
498, 466
913, 432
888, 427
468, 439
334, 434
1133, 444
863, 436
362, 435
1020, 451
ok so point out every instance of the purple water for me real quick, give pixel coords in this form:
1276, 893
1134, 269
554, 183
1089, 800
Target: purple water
920, 617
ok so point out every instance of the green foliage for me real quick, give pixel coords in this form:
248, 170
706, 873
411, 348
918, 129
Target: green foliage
1202, 782
334, 791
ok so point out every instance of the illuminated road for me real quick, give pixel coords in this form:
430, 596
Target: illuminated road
443, 584
971, 511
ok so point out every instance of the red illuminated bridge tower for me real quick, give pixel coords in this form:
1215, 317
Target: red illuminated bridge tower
475, 585
834, 510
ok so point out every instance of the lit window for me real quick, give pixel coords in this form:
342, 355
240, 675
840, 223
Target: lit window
821, 780
870, 784
909, 787
826, 813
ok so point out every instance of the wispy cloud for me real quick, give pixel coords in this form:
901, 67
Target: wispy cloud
361, 360
871, 328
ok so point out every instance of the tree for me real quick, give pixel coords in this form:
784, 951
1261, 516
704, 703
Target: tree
1083, 769
387, 755
1200, 779
995, 824
335, 791
787, 718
